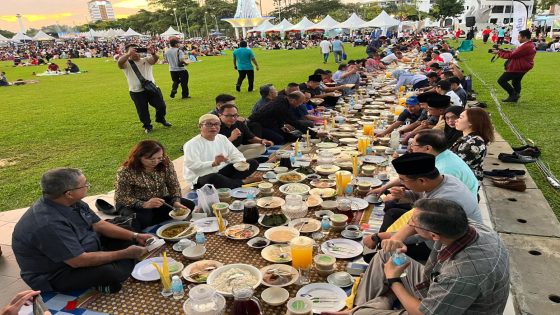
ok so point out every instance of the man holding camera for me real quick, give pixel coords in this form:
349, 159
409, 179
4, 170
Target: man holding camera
179, 75
138, 72
519, 62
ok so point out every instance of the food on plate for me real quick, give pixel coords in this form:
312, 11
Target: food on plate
175, 230
323, 183
179, 212
274, 219
240, 232
290, 177
281, 236
295, 188
200, 271
260, 243
305, 170
223, 282
273, 278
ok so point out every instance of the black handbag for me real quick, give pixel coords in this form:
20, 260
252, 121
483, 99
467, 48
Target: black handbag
150, 87
179, 61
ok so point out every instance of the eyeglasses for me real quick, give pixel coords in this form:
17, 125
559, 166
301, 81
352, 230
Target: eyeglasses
231, 116
210, 125
87, 185
411, 224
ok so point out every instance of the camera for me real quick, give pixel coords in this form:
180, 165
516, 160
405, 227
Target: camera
141, 50
495, 46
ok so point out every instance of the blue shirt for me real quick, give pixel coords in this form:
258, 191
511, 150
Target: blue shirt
450, 163
501, 32
337, 45
243, 57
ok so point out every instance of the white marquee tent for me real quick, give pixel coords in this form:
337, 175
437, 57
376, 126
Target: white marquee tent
261, 28
383, 20
170, 33
353, 22
302, 25
3, 39
131, 33
20, 37
280, 27
40, 36
326, 24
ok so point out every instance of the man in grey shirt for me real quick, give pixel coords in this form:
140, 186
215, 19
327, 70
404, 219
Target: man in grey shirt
179, 73
467, 271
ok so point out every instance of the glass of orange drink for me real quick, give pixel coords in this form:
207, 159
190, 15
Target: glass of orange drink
302, 257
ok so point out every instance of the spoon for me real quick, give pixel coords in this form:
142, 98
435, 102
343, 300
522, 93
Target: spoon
282, 255
184, 232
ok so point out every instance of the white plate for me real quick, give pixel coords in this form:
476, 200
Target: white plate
261, 217
311, 225
253, 229
174, 239
144, 271
208, 225
347, 248
374, 159
324, 290
348, 140
241, 193
294, 188
265, 167
282, 268
329, 169
282, 180
374, 182
333, 151
270, 202
313, 201
323, 183
287, 230
327, 145
358, 204
187, 271
216, 273
323, 192
272, 253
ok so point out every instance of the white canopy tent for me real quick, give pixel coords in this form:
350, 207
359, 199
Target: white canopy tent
261, 28
326, 24
3, 39
383, 20
302, 25
41, 36
280, 27
131, 33
353, 22
170, 33
20, 37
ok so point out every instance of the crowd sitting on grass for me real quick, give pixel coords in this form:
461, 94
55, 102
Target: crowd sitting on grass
60, 244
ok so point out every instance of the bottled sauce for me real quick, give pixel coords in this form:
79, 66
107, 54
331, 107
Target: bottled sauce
244, 303
177, 288
199, 238
250, 213
325, 225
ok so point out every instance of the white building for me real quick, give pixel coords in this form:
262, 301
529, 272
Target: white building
501, 10
101, 10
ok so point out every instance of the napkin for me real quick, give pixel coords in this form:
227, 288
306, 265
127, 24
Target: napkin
338, 180
355, 166
220, 219
164, 271
350, 299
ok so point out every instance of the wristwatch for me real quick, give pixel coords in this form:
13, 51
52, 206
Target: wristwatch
134, 237
394, 280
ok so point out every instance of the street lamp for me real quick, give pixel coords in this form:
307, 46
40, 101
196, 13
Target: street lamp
206, 25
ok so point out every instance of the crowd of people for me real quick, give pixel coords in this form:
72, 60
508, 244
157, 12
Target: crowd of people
457, 263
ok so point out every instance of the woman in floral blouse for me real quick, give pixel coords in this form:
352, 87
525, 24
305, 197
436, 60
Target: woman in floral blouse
478, 132
146, 182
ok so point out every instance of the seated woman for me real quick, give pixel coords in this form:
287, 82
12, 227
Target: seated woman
451, 115
478, 132
146, 182
210, 158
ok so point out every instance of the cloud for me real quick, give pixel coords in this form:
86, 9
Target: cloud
130, 4
37, 17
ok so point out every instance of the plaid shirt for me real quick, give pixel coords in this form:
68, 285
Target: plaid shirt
470, 276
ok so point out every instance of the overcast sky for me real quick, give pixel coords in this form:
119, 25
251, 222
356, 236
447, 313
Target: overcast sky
38, 13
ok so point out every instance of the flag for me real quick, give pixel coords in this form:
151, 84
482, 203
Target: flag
519, 21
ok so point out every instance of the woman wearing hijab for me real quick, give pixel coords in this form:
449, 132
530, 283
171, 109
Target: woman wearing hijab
451, 115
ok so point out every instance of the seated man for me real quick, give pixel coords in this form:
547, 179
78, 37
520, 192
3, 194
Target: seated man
239, 134
291, 87
60, 244
277, 119
268, 93
458, 89
403, 78
412, 112
437, 105
423, 122
221, 100
348, 75
3, 79
467, 271
53, 68
209, 158
316, 89
392, 58
433, 142
444, 88
71, 67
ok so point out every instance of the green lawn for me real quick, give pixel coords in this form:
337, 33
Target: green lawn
536, 115
88, 121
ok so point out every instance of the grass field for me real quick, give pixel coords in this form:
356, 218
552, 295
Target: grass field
88, 121
536, 115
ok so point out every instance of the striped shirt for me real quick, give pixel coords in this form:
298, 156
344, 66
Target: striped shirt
466, 278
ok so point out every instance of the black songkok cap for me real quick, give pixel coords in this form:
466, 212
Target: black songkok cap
414, 164
439, 101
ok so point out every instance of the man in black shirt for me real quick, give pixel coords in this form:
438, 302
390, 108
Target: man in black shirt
277, 119
239, 134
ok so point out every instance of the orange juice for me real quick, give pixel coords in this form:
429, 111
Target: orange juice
368, 129
302, 252
402, 88
398, 110
363, 143
345, 179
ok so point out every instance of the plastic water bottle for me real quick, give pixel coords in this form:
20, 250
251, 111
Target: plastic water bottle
399, 258
177, 288
352, 102
394, 142
325, 225
348, 190
250, 195
200, 238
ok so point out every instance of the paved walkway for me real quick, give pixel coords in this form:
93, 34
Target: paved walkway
11, 283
